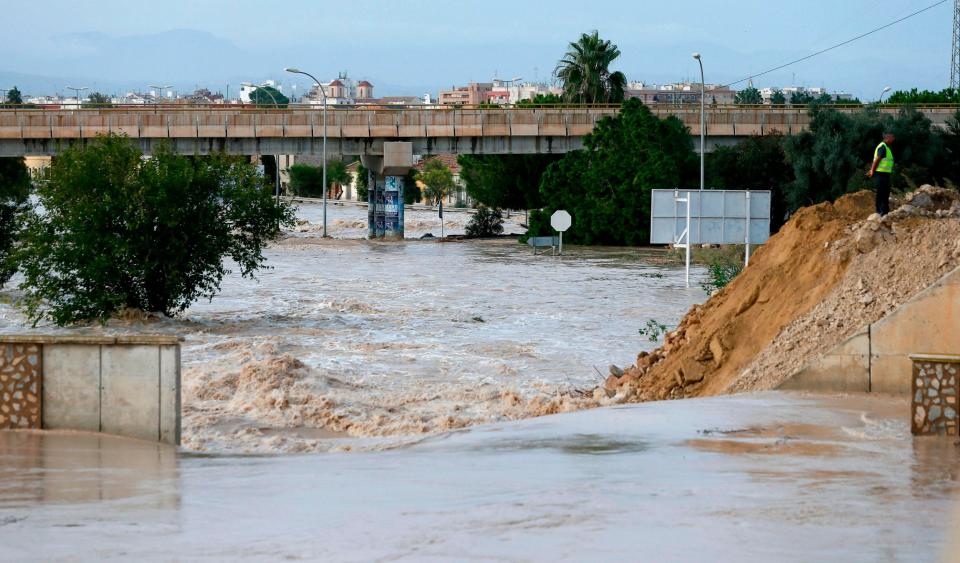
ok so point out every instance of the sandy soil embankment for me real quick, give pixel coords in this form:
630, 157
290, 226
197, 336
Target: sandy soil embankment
832, 269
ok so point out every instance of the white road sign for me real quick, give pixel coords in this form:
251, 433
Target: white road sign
560, 220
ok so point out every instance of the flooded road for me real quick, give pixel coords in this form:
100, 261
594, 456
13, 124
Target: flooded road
770, 477
347, 344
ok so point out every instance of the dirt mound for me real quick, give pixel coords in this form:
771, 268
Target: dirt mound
832, 269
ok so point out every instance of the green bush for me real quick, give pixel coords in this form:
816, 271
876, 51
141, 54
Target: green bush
121, 231
14, 189
723, 264
486, 222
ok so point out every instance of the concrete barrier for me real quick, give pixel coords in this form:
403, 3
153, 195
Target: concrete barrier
124, 385
877, 358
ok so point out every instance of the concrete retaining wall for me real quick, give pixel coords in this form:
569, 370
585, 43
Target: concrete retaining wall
128, 385
877, 359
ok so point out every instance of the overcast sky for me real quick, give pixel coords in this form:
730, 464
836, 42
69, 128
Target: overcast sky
417, 46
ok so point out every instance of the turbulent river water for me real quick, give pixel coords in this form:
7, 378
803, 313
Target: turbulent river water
347, 343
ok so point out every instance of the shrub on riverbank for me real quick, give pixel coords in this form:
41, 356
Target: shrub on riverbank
120, 231
485, 222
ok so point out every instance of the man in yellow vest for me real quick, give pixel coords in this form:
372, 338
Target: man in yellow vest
881, 170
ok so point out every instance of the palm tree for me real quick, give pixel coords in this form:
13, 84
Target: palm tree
585, 72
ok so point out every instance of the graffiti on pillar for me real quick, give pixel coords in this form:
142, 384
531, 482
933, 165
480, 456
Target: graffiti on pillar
385, 207
371, 204
393, 206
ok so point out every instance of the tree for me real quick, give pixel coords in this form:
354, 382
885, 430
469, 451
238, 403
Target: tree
778, 99
411, 191
505, 181
606, 187
337, 176
437, 179
14, 96
756, 163
542, 100
363, 183
485, 222
831, 158
800, 99
584, 72
950, 141
823, 99
749, 96
914, 97
268, 96
118, 230
307, 180
14, 189
98, 100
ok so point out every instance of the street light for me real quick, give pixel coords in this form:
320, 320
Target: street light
319, 87
703, 94
160, 90
276, 157
77, 91
885, 90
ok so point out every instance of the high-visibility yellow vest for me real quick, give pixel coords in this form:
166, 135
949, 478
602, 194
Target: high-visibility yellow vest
886, 164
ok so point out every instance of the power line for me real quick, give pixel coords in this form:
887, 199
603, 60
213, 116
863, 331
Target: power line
838, 45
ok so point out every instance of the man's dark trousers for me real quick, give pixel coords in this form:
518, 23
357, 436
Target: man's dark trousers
882, 183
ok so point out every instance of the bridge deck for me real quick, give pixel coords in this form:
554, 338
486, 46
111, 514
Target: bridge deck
239, 128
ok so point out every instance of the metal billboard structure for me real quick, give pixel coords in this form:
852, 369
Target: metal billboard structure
686, 217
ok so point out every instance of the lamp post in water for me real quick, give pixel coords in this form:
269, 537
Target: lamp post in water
322, 92
276, 157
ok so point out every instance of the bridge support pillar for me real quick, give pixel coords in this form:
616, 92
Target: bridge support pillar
385, 193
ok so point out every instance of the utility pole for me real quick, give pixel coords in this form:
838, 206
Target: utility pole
955, 51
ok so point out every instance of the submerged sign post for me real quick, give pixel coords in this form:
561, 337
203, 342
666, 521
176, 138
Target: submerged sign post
709, 217
560, 221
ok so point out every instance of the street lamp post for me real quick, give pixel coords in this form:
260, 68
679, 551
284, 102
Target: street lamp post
885, 90
276, 157
703, 93
322, 92
77, 92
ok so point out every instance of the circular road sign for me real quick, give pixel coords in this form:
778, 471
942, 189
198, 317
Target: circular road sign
560, 220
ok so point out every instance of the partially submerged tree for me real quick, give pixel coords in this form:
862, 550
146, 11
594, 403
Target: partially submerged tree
14, 190
120, 231
437, 179
584, 71
485, 222
306, 180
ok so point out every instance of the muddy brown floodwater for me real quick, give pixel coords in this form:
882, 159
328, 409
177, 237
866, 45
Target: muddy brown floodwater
762, 477
347, 344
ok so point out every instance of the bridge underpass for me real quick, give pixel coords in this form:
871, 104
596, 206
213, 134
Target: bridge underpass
384, 137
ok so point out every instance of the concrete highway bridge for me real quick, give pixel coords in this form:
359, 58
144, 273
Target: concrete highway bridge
363, 130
